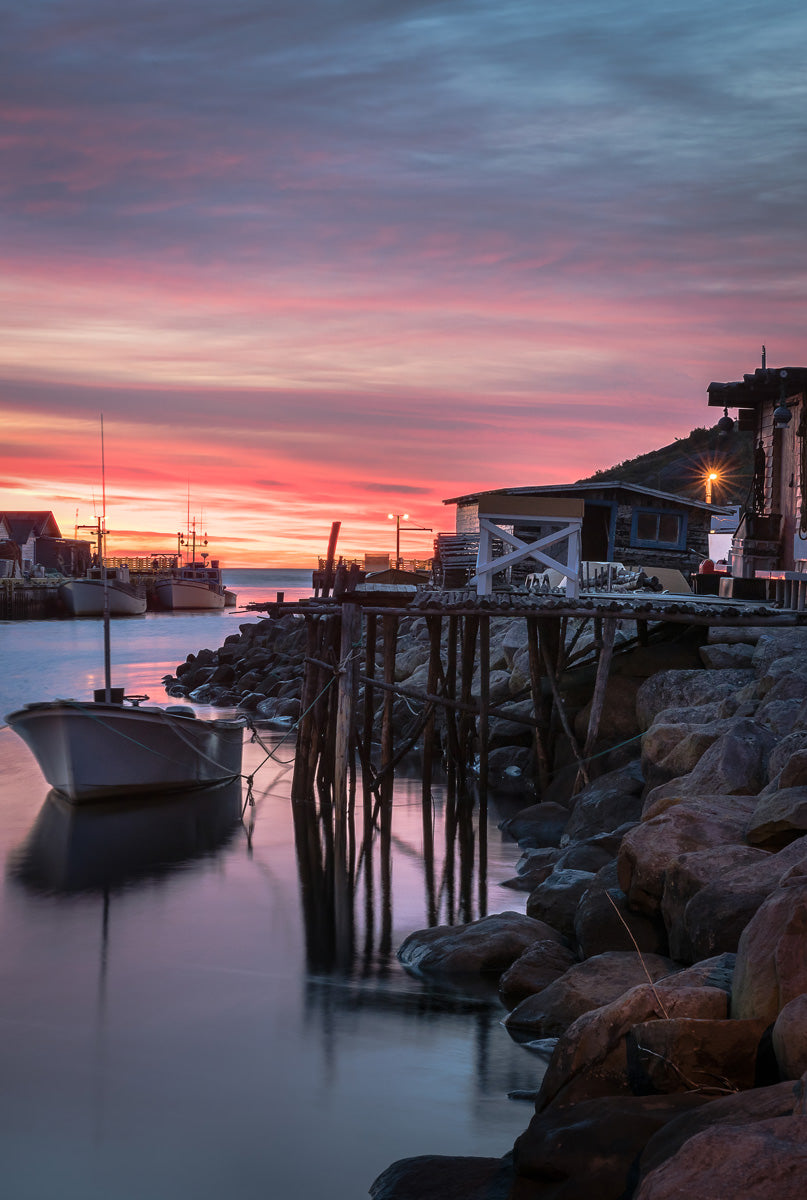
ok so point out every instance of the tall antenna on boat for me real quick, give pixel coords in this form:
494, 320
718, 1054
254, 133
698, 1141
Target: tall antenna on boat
104, 576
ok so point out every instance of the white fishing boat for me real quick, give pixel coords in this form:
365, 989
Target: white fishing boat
195, 585
106, 748
113, 746
85, 597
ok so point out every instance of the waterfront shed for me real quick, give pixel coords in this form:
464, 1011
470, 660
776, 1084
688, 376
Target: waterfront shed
622, 522
25, 529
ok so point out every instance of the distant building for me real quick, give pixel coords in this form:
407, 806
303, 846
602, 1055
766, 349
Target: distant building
622, 522
33, 539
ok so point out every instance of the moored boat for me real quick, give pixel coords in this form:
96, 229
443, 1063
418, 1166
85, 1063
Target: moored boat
195, 585
94, 750
85, 597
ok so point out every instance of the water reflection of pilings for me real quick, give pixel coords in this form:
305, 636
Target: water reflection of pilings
339, 850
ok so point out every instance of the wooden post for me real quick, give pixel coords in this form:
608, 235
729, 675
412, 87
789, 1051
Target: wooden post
369, 719
390, 631
600, 686
471, 624
541, 754
549, 663
350, 626
301, 788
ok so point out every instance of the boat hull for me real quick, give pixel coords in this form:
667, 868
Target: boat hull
188, 593
91, 752
85, 598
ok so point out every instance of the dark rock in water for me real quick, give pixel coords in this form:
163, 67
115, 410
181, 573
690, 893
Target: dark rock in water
440, 1177
587, 1151
555, 900
487, 946
539, 825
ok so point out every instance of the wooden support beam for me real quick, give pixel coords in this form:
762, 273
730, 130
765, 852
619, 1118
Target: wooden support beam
560, 708
345, 717
598, 698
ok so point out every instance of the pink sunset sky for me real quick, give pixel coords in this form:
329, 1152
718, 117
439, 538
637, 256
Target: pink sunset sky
320, 262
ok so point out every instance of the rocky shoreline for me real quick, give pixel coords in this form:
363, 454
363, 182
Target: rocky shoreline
661, 965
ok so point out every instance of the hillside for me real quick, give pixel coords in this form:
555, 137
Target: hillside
682, 467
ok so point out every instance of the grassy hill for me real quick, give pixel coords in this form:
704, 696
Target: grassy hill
682, 466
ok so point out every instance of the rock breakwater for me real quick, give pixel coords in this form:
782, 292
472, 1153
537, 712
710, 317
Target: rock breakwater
670, 979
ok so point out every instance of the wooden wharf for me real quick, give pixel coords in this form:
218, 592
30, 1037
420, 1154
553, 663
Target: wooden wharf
347, 733
352, 645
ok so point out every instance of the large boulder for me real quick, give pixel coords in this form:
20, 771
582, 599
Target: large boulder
737, 1109
585, 986
692, 824
722, 656
535, 970
736, 764
603, 921
667, 689
790, 1038
771, 961
586, 1151
605, 804
717, 914
780, 817
555, 900
485, 947
688, 874
590, 1058
671, 751
708, 1055
441, 1177
766, 1160
539, 825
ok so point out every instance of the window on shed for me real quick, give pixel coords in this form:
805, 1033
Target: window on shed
657, 528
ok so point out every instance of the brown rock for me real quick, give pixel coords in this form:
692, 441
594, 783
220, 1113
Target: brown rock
555, 900
716, 916
736, 764
586, 1151
535, 970
790, 1038
685, 876
780, 817
649, 848
590, 1058
583, 987
603, 921
685, 1054
668, 688
539, 825
766, 1160
441, 1177
737, 1108
487, 946
771, 960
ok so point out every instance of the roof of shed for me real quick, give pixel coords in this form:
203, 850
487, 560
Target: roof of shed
574, 489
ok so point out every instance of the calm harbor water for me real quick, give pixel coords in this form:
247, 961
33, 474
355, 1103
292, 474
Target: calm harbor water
181, 1016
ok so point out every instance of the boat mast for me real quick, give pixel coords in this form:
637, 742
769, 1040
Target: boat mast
104, 576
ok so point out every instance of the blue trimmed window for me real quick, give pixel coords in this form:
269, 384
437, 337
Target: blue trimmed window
658, 527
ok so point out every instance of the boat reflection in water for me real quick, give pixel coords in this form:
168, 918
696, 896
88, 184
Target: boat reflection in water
112, 844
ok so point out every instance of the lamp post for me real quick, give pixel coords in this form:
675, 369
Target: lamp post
711, 478
397, 518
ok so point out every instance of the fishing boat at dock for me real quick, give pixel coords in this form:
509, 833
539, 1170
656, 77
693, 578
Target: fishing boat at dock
195, 585
85, 597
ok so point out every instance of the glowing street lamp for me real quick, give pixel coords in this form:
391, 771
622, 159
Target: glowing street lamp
711, 478
397, 518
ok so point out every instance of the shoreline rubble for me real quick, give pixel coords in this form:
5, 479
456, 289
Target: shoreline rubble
666, 939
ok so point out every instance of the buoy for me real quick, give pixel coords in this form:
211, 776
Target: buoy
707, 567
